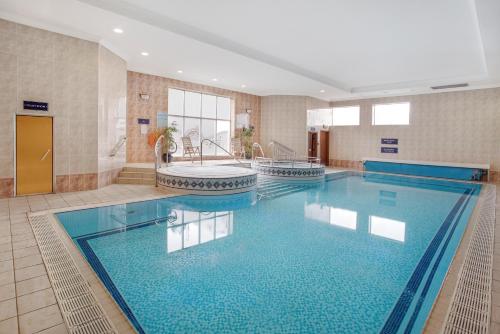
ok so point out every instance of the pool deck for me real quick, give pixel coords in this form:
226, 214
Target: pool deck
27, 300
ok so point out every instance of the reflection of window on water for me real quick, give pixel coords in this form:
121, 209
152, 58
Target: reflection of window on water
194, 228
387, 228
334, 216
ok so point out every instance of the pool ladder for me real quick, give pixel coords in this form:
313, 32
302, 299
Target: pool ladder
268, 188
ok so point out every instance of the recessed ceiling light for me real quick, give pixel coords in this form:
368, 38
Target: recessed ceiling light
322, 91
243, 86
180, 71
215, 79
144, 53
118, 30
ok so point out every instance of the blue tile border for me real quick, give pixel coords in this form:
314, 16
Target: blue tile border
400, 310
103, 274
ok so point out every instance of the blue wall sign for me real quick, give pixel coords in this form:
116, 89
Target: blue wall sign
32, 105
389, 141
388, 150
143, 120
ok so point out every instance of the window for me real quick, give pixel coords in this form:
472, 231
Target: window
391, 114
339, 116
319, 117
342, 116
200, 116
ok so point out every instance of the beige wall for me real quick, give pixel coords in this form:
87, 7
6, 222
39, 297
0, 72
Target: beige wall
284, 119
452, 127
112, 109
39, 65
157, 88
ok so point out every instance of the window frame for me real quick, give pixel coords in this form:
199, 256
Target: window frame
387, 104
217, 151
347, 106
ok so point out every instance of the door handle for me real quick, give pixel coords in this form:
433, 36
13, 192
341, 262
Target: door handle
45, 155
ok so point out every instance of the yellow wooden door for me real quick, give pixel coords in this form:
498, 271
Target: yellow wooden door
33, 155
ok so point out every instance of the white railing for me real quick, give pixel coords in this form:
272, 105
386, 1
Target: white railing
280, 151
283, 155
118, 146
256, 146
158, 150
214, 143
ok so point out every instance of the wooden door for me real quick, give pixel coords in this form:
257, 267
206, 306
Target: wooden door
312, 146
33, 155
324, 147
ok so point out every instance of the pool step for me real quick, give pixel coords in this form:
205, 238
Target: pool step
272, 189
136, 175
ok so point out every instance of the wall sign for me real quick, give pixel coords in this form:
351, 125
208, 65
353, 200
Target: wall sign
32, 105
388, 150
389, 141
143, 121
162, 119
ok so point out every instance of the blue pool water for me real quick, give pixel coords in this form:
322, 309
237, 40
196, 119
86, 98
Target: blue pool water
355, 254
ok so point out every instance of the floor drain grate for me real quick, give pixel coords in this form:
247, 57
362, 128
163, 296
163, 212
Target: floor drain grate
80, 308
469, 311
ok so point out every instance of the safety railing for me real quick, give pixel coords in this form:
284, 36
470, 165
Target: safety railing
219, 146
158, 145
118, 146
283, 155
256, 146
280, 151
310, 162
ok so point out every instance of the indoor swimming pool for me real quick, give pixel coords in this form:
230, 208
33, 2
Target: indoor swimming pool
357, 253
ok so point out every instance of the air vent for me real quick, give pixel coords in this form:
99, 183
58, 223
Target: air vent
460, 85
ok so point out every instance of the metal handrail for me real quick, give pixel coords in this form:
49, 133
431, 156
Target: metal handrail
211, 141
118, 145
310, 160
278, 150
158, 145
257, 145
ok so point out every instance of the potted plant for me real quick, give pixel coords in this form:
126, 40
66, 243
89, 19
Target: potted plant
246, 137
169, 145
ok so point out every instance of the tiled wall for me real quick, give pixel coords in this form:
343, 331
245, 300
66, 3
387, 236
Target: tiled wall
284, 119
39, 65
157, 88
453, 127
112, 109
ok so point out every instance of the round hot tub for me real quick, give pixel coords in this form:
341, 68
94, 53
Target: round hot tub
207, 180
290, 170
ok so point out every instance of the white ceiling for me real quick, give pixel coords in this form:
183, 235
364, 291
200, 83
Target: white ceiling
348, 48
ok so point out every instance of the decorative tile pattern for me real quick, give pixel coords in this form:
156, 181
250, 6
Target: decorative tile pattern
290, 172
208, 184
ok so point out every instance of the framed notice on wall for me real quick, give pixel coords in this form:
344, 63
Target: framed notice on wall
389, 141
388, 149
242, 121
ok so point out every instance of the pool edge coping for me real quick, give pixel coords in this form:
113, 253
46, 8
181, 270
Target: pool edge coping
439, 314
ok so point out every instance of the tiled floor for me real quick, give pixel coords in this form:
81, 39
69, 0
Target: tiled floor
27, 301
495, 293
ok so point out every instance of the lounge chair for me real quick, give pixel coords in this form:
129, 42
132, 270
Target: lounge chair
188, 147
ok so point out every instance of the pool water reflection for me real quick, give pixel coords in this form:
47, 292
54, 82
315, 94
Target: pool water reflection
334, 258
